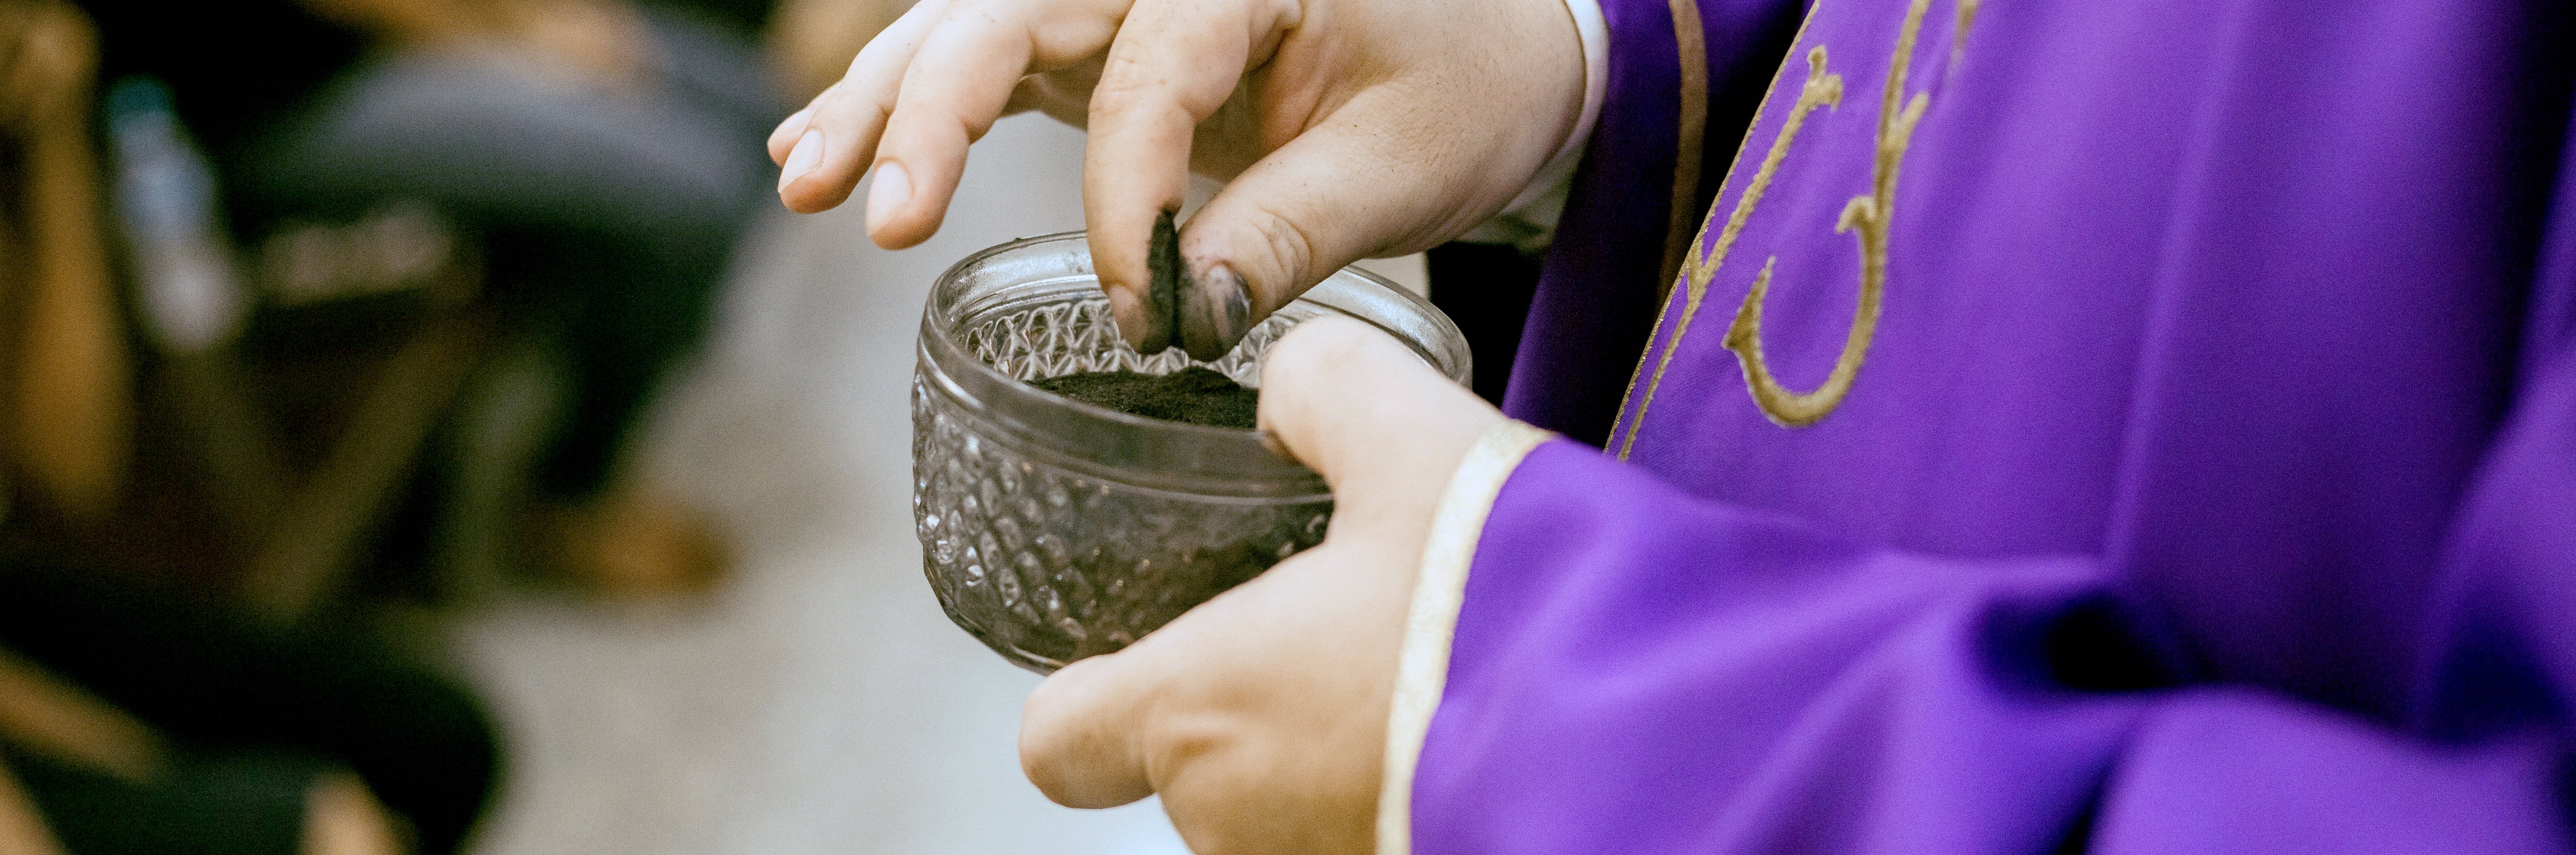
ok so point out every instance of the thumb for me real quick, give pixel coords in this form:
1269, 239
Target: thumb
1174, 63
1382, 427
1347, 189
1079, 731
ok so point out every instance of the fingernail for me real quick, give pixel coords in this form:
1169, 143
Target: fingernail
801, 159
891, 190
793, 123
1215, 313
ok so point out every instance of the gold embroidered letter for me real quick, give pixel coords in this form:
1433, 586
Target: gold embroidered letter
1822, 89
1866, 216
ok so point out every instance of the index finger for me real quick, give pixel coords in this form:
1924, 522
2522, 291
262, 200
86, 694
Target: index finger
837, 133
958, 85
1174, 62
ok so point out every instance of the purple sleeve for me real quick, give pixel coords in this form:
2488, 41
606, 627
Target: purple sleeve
1637, 670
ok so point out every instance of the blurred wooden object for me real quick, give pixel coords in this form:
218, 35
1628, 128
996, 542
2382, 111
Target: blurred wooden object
342, 818
22, 829
42, 713
69, 418
814, 40
66, 382
599, 39
310, 450
317, 538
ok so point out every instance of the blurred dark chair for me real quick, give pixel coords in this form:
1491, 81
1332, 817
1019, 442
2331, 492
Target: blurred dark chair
417, 214
135, 716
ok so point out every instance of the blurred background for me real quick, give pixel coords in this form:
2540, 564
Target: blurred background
422, 431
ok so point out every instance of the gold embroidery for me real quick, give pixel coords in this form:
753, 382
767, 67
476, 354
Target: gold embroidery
1619, 422
1866, 215
1681, 219
1822, 89
1959, 33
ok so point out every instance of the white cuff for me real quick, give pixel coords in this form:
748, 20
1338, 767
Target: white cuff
1530, 220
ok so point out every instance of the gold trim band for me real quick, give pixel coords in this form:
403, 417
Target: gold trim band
1690, 39
1422, 665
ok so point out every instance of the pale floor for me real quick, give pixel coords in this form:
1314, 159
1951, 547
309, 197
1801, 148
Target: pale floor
821, 703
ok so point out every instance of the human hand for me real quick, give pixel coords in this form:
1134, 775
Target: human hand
1348, 128
1261, 715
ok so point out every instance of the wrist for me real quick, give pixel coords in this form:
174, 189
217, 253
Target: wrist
1592, 35
1529, 220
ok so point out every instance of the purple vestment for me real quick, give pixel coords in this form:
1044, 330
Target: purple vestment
2208, 484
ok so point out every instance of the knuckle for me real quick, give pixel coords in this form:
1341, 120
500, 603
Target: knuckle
1290, 246
1316, 354
1332, 342
1124, 90
1137, 88
844, 114
955, 13
1173, 742
923, 146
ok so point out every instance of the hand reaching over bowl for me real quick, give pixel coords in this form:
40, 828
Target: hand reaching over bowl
1345, 128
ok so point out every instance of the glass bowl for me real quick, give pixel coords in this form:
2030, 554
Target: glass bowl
1053, 529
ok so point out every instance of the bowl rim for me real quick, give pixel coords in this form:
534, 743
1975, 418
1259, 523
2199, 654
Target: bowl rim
1239, 455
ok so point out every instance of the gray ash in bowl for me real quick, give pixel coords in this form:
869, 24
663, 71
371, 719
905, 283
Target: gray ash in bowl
1195, 395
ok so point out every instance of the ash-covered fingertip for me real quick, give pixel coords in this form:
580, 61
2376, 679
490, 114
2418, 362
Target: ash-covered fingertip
1215, 313
1162, 288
